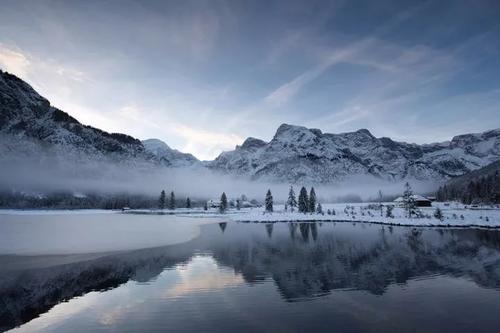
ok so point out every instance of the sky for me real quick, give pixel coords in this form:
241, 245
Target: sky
205, 75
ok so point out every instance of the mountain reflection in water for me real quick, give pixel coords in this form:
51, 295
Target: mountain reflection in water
305, 261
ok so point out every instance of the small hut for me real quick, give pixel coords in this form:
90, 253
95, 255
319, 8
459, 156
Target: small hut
420, 201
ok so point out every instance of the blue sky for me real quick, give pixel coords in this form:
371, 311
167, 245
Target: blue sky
204, 75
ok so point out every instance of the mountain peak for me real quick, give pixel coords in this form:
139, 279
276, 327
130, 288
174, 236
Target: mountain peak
286, 129
155, 144
251, 142
364, 131
169, 156
283, 128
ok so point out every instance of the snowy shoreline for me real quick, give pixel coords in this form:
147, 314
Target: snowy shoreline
455, 215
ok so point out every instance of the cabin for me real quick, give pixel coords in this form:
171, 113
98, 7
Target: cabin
243, 203
213, 203
420, 201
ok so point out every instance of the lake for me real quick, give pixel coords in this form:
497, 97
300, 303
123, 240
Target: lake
249, 277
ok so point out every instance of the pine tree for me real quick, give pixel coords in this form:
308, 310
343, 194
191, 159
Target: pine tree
223, 203
319, 209
438, 214
162, 200
312, 201
188, 202
292, 202
388, 211
269, 201
380, 202
171, 203
409, 201
303, 200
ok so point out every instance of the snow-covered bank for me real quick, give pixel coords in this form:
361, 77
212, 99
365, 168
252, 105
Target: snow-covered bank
454, 215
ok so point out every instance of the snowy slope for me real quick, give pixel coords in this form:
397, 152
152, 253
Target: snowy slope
300, 154
169, 156
30, 126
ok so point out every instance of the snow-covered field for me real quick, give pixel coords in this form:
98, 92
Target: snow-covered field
454, 215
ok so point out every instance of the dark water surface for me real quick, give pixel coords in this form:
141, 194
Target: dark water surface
283, 277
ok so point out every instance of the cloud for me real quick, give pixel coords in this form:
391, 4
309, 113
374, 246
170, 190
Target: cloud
287, 91
14, 61
213, 278
72, 74
29, 67
205, 144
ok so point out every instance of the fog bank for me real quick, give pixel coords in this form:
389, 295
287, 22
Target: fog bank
49, 175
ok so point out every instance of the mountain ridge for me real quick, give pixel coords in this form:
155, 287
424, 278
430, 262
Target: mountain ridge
296, 152
30, 126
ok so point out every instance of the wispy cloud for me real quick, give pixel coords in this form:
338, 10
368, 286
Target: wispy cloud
206, 144
288, 90
14, 61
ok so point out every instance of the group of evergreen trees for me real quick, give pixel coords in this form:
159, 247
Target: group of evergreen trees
68, 200
482, 190
171, 203
306, 203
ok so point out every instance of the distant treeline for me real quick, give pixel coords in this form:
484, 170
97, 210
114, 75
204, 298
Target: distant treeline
484, 189
64, 200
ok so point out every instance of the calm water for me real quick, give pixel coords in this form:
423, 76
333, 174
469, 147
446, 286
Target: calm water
280, 277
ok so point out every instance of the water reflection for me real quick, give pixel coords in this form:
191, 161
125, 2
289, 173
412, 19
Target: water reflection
269, 229
222, 226
304, 261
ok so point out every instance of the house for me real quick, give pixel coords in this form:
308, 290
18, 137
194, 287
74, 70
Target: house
420, 201
244, 203
213, 203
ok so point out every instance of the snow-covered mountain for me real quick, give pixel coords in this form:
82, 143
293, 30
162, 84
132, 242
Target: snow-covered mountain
31, 127
167, 155
300, 154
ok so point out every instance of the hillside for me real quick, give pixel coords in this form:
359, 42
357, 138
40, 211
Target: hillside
299, 154
478, 186
31, 127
